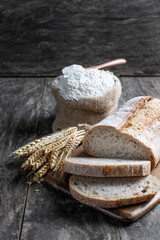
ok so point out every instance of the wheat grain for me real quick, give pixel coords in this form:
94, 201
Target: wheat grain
39, 163
53, 159
35, 156
56, 146
25, 165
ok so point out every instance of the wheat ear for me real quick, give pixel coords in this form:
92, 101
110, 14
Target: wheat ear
73, 141
53, 159
33, 159
39, 163
50, 152
43, 170
56, 146
31, 147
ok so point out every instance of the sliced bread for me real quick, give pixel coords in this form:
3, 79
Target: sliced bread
113, 192
102, 167
132, 132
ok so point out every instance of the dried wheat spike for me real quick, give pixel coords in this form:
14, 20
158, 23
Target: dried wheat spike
78, 139
43, 170
73, 141
56, 146
70, 142
25, 165
66, 132
60, 161
66, 150
31, 147
39, 163
35, 160
53, 159
35, 156
32, 160
50, 152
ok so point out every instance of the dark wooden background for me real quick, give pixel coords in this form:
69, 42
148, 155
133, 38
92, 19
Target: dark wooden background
39, 37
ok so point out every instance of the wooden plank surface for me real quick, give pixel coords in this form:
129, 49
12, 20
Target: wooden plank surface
20, 102
40, 37
54, 215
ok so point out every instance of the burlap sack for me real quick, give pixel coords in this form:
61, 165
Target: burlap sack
85, 111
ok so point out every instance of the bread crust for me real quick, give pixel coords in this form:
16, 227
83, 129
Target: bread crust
120, 120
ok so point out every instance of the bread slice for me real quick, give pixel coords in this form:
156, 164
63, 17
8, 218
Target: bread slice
132, 132
102, 167
113, 192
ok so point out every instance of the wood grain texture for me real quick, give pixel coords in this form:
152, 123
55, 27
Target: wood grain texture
41, 37
54, 215
20, 102
47, 115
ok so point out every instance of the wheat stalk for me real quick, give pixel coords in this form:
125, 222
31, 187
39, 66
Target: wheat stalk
41, 173
56, 146
53, 159
35, 156
73, 141
31, 147
39, 163
70, 145
33, 159
50, 152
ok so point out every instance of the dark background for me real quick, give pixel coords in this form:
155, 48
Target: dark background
40, 37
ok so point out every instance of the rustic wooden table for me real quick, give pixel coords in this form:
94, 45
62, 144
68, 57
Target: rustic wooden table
40, 211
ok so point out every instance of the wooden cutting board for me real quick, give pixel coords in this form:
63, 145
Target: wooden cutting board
125, 214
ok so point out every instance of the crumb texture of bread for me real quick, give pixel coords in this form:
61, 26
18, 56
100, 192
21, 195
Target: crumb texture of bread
113, 192
102, 167
132, 132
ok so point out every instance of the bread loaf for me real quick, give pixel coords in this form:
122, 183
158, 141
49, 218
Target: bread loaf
101, 167
132, 132
113, 192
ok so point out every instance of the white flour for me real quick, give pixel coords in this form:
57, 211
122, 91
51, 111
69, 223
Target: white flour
76, 82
